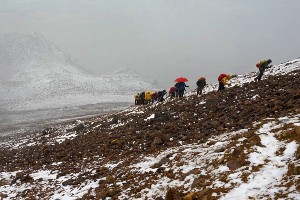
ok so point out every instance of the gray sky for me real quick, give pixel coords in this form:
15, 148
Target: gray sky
163, 39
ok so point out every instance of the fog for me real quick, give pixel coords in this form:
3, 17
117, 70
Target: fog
164, 39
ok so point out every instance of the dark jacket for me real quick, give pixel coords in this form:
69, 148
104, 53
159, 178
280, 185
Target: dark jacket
180, 86
201, 83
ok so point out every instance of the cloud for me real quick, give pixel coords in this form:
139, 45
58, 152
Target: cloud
162, 39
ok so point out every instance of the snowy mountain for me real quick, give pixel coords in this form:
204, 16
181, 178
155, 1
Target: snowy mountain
36, 74
236, 144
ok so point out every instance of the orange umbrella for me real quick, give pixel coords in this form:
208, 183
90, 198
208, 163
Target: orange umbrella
181, 79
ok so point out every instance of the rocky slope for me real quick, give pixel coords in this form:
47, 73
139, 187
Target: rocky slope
241, 143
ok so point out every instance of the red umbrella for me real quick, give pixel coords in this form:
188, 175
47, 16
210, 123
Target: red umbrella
181, 79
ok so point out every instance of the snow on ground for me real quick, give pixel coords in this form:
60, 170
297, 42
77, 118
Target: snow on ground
189, 163
268, 163
187, 158
263, 182
240, 80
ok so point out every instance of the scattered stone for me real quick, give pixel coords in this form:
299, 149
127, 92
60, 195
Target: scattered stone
156, 142
297, 170
110, 179
115, 142
190, 196
297, 130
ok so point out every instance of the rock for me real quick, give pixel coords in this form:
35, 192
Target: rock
212, 102
236, 152
114, 120
298, 188
157, 141
297, 130
170, 195
164, 160
297, 170
249, 134
288, 133
190, 196
211, 142
203, 192
78, 127
221, 160
69, 182
21, 176
2, 195
115, 142
160, 170
222, 149
220, 128
233, 165
110, 179
112, 192
47, 131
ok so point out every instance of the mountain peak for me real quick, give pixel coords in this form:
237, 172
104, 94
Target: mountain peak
19, 49
124, 70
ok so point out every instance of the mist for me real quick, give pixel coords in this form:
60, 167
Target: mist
162, 40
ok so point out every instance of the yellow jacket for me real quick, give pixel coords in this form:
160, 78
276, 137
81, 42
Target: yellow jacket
147, 95
226, 79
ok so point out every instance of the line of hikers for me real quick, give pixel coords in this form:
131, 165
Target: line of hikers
149, 97
179, 88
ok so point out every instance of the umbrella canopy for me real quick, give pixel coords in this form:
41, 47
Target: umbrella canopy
181, 79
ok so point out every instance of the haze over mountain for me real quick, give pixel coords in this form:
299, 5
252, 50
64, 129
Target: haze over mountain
36, 74
41, 84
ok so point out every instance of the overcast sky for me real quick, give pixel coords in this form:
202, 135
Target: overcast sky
163, 39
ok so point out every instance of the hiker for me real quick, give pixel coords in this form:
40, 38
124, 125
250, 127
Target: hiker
172, 92
223, 79
161, 95
200, 85
154, 97
147, 97
180, 88
141, 98
136, 99
262, 66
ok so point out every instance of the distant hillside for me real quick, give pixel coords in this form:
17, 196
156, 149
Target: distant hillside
36, 74
240, 143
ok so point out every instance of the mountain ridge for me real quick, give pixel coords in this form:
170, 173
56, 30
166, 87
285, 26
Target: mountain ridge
38, 75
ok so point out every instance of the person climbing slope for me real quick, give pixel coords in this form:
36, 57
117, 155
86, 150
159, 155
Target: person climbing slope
136, 99
147, 97
172, 92
161, 95
141, 98
180, 87
154, 96
223, 80
200, 85
262, 66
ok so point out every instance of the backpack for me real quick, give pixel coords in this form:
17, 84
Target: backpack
201, 83
221, 77
258, 65
142, 95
